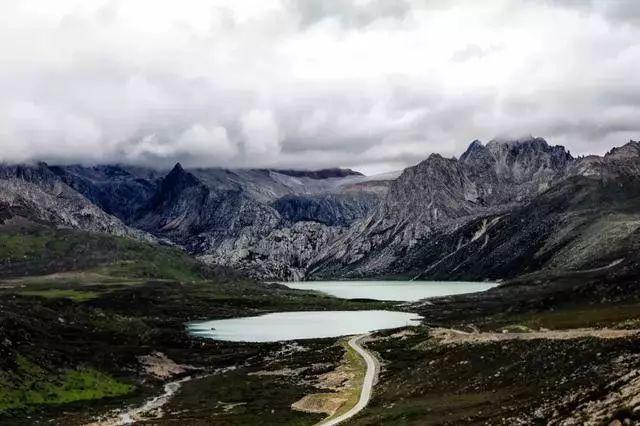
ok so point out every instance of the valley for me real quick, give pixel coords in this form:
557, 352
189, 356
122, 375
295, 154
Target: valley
104, 268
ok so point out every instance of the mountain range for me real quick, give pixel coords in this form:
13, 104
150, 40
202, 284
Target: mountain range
501, 210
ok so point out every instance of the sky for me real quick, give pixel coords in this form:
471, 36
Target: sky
375, 85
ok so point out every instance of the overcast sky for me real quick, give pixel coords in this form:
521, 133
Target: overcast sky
374, 85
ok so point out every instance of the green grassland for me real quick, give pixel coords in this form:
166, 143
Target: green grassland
37, 250
75, 295
29, 385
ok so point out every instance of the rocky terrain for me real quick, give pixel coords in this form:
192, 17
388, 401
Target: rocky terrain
268, 223
502, 209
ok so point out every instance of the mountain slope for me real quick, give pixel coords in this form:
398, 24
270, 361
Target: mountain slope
502, 209
439, 195
34, 188
268, 223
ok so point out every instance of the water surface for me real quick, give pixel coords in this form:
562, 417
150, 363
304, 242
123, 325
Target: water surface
407, 291
301, 325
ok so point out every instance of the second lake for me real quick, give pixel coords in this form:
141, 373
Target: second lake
404, 291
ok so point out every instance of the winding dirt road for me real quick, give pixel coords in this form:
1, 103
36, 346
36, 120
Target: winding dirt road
373, 367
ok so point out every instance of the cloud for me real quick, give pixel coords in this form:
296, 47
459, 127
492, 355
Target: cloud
472, 51
261, 133
368, 84
349, 13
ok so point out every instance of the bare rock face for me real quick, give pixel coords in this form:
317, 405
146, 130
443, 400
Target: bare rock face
328, 209
619, 163
118, 190
36, 189
628, 151
281, 253
268, 223
440, 194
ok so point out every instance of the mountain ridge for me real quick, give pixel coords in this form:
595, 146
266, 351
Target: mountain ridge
336, 223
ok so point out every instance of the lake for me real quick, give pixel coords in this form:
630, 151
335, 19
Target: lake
406, 291
301, 325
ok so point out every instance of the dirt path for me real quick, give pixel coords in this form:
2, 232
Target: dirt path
373, 367
450, 336
134, 414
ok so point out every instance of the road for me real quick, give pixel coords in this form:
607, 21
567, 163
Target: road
373, 367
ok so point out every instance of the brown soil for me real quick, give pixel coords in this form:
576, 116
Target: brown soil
448, 336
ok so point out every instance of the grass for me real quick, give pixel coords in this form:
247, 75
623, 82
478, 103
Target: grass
29, 386
40, 251
492, 383
355, 368
16, 247
579, 317
75, 295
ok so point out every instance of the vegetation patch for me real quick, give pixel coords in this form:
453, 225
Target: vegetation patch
346, 383
36, 250
588, 316
504, 382
75, 295
29, 386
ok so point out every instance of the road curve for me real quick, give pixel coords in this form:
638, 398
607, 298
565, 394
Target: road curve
373, 367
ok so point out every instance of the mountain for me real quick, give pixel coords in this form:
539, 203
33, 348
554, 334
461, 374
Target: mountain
263, 222
438, 196
38, 192
269, 223
504, 208
320, 174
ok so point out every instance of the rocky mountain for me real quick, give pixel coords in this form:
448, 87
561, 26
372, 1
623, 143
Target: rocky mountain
517, 207
264, 222
502, 209
36, 191
440, 195
269, 223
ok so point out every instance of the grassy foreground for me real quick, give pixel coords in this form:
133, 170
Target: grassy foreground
29, 385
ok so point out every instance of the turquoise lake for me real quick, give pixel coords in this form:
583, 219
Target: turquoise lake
405, 291
301, 325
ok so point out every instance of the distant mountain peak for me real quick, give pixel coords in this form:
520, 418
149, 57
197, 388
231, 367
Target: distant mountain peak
179, 177
506, 139
319, 174
475, 148
628, 150
475, 144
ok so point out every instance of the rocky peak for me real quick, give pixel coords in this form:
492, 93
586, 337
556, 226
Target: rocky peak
174, 187
525, 159
179, 178
35, 173
475, 148
518, 144
477, 159
629, 150
320, 174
